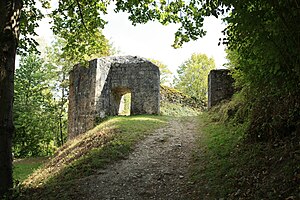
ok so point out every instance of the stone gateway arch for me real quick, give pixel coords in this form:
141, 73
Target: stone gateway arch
96, 91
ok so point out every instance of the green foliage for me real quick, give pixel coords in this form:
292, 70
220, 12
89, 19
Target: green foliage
30, 17
193, 76
69, 53
233, 111
190, 15
264, 36
35, 114
62, 55
263, 41
165, 73
78, 22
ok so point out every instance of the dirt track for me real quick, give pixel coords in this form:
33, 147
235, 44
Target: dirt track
157, 169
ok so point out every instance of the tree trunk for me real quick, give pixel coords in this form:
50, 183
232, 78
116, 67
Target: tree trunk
61, 111
9, 34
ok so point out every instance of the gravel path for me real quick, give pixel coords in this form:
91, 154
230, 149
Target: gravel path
157, 169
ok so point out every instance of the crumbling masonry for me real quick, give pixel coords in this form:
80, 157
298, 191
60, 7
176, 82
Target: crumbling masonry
220, 86
96, 91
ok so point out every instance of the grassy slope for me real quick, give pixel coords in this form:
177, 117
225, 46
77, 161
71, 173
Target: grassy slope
24, 167
177, 110
227, 166
112, 140
175, 103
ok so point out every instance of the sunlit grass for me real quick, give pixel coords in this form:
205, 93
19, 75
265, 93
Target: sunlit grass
112, 140
24, 167
178, 110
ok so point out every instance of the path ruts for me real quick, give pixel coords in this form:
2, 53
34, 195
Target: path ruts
158, 168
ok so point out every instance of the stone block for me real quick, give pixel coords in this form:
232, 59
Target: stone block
220, 86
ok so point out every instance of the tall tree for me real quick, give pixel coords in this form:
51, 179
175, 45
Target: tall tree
9, 34
35, 109
193, 75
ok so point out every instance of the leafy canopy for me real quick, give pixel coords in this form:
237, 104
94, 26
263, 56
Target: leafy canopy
165, 73
35, 110
263, 48
79, 21
193, 76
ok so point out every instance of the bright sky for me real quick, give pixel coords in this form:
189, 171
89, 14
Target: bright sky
153, 40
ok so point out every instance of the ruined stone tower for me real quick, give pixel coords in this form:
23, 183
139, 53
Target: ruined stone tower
220, 86
96, 91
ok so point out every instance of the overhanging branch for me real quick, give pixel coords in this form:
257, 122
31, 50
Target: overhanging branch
81, 14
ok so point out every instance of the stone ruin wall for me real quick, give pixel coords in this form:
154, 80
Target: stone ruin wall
96, 91
220, 86
82, 98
